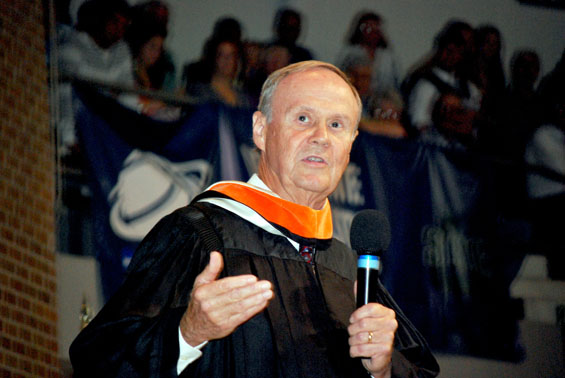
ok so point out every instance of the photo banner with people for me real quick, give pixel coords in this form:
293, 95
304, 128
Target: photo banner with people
449, 264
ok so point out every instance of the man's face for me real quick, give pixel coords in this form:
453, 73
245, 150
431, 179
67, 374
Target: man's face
305, 146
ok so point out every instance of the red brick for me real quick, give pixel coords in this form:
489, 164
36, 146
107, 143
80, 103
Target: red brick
4, 312
11, 330
18, 347
6, 343
28, 188
9, 297
39, 370
7, 234
7, 265
11, 361
26, 365
25, 335
24, 303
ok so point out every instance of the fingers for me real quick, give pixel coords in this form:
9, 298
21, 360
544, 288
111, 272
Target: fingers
216, 309
371, 310
212, 270
370, 341
371, 336
375, 318
244, 310
218, 306
232, 294
371, 331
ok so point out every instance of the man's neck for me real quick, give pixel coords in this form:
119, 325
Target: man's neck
299, 196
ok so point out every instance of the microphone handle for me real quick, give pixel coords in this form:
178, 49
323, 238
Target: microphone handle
367, 276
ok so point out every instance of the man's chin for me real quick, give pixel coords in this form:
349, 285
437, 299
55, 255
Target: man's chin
315, 185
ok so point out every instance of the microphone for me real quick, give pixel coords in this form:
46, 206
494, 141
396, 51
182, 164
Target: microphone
369, 237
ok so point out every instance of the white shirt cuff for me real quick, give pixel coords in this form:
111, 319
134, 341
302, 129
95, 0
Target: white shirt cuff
187, 353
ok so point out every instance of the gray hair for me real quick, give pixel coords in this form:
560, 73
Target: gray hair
270, 85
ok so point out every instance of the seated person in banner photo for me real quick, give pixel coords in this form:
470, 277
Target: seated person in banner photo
287, 27
93, 50
247, 280
366, 41
217, 76
382, 110
153, 68
441, 101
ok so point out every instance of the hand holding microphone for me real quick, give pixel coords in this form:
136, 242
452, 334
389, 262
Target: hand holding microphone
372, 326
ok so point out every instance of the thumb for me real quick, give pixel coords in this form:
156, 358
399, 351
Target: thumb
212, 270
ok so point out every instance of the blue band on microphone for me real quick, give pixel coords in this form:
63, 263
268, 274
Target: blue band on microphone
368, 262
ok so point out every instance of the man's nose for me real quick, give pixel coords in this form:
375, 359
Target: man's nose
320, 134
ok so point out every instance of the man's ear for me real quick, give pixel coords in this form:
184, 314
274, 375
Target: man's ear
259, 129
353, 136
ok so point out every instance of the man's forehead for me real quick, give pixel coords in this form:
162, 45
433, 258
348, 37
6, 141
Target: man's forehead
310, 80
311, 72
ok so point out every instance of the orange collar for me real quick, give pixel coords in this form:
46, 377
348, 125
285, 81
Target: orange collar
300, 220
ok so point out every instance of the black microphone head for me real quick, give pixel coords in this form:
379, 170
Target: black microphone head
370, 232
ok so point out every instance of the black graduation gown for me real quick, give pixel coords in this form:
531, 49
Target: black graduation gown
302, 333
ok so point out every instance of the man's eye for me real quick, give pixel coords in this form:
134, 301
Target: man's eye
303, 118
335, 124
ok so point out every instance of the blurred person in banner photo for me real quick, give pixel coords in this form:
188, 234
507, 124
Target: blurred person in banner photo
441, 101
225, 29
519, 114
93, 50
545, 159
152, 67
287, 26
366, 40
247, 280
488, 71
382, 110
253, 52
521, 110
488, 74
271, 59
222, 62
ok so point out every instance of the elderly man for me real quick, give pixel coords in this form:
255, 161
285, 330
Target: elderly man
277, 300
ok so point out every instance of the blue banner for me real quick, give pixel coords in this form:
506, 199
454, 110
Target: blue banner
448, 266
142, 170
453, 253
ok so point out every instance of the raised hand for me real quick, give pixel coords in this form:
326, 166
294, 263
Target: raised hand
217, 307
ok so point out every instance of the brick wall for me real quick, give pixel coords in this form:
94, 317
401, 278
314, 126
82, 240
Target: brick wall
28, 318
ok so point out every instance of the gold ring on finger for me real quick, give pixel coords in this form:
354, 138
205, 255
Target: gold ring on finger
370, 337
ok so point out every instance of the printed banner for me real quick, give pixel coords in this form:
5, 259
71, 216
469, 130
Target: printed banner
447, 265
142, 169
453, 254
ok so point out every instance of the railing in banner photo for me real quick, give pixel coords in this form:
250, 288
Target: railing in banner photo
457, 242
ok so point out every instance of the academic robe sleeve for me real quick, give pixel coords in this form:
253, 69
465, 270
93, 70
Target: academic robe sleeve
412, 357
136, 333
